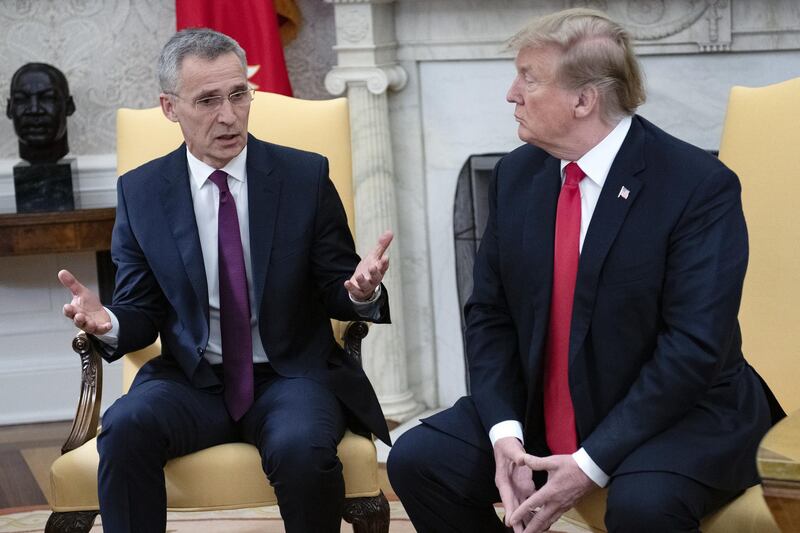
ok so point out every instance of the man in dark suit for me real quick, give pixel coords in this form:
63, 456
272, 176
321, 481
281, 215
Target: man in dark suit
237, 253
602, 331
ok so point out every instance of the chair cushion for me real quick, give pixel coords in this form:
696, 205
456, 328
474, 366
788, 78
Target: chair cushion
746, 514
227, 476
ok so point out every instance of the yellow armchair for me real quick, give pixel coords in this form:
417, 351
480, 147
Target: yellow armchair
760, 140
228, 476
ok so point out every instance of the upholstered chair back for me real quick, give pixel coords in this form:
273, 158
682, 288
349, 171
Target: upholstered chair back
761, 143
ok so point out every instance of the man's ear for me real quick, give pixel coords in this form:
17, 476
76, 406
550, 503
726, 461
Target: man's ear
168, 107
8, 108
69, 104
587, 101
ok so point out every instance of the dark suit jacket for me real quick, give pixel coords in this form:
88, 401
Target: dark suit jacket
301, 254
656, 372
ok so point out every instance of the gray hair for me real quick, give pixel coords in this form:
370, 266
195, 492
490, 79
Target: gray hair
595, 50
200, 42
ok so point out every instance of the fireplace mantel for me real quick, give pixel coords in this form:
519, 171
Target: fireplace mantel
457, 29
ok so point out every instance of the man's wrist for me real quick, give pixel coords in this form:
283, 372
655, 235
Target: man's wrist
372, 299
506, 428
590, 468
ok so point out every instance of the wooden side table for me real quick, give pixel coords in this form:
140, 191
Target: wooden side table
779, 467
81, 230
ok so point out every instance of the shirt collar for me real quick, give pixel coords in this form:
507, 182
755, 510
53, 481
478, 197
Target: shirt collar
199, 171
597, 162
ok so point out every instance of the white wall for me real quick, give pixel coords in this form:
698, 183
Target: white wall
39, 372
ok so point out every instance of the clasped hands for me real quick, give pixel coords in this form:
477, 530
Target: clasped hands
527, 509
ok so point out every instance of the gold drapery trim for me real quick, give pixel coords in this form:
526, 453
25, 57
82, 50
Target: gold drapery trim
289, 19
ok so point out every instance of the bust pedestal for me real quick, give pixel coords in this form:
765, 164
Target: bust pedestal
44, 187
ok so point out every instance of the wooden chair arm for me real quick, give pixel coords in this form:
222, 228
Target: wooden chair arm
84, 425
354, 333
779, 467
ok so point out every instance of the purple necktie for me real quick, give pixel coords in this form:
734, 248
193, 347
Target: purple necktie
234, 305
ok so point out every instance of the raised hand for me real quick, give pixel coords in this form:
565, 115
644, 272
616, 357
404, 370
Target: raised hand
370, 271
85, 309
566, 484
514, 480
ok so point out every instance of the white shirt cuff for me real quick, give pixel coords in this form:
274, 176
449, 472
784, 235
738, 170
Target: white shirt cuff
506, 428
110, 338
590, 468
372, 299
369, 309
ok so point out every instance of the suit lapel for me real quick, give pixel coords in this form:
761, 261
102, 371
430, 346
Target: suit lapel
538, 234
263, 193
176, 199
609, 214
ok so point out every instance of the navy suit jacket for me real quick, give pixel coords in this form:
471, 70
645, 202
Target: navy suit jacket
301, 253
657, 377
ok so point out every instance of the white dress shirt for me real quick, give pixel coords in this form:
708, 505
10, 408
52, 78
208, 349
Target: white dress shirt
595, 164
205, 200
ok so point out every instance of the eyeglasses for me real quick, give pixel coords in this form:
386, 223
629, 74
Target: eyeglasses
209, 104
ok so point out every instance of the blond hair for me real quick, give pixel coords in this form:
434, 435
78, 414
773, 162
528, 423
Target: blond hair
595, 50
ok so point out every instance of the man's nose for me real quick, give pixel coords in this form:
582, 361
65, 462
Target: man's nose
226, 114
513, 94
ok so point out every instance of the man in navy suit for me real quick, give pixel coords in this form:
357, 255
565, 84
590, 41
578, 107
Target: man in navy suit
602, 333
230, 226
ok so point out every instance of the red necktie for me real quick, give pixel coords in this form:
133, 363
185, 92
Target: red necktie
234, 305
559, 415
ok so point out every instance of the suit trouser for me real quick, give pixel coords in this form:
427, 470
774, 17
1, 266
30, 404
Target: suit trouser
296, 423
447, 485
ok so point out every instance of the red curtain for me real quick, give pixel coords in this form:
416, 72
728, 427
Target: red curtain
254, 24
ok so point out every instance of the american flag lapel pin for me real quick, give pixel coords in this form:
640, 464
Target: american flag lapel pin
623, 193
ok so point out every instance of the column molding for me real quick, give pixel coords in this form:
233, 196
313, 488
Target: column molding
367, 68
378, 79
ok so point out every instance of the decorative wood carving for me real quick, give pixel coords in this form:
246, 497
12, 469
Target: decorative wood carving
73, 522
368, 515
353, 335
84, 426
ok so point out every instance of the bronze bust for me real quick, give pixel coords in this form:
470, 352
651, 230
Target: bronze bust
39, 106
